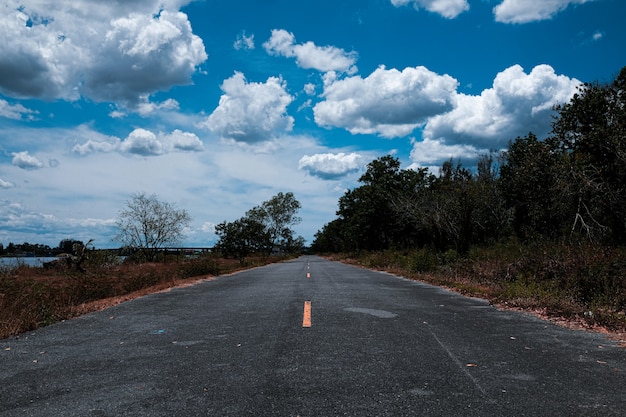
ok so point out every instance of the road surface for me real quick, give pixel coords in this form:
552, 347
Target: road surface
310, 338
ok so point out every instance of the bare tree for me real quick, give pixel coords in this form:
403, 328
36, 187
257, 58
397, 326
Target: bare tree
148, 224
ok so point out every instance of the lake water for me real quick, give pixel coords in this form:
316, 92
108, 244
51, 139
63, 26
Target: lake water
30, 261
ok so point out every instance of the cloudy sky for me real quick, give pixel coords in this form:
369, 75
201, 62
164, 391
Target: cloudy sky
217, 106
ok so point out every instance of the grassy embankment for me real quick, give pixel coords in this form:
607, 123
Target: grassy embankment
580, 285
32, 297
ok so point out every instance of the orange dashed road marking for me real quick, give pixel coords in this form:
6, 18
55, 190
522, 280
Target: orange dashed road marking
308, 275
306, 320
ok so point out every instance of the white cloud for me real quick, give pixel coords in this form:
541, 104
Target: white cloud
103, 145
6, 184
331, 165
310, 56
140, 142
183, 141
109, 51
516, 104
26, 161
147, 107
309, 88
15, 111
208, 227
251, 112
446, 8
524, 11
243, 41
390, 103
428, 153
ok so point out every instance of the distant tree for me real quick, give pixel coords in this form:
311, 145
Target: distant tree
278, 215
67, 245
148, 224
331, 238
263, 229
241, 238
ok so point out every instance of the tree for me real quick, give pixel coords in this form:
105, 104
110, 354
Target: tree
367, 211
67, 245
277, 215
241, 238
532, 184
591, 131
148, 224
263, 229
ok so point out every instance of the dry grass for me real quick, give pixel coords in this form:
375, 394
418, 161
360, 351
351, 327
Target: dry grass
579, 286
33, 297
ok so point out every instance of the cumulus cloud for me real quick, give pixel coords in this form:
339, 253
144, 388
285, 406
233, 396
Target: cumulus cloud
107, 51
104, 145
142, 142
516, 104
330, 165
390, 103
183, 141
26, 161
310, 56
243, 41
146, 107
428, 153
524, 11
6, 184
15, 111
446, 8
251, 112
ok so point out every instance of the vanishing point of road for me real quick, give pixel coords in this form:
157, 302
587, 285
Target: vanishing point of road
310, 338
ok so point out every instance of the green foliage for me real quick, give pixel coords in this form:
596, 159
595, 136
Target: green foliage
241, 238
264, 229
423, 260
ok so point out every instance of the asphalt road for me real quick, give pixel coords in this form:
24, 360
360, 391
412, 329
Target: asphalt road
366, 344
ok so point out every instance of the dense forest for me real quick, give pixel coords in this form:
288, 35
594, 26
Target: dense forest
567, 188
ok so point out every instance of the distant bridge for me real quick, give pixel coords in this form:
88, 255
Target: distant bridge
187, 249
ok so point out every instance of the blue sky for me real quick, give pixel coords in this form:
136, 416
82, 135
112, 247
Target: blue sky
218, 106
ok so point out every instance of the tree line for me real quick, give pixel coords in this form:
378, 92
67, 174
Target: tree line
147, 225
568, 187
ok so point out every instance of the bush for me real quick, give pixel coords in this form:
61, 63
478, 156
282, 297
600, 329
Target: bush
423, 260
204, 265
